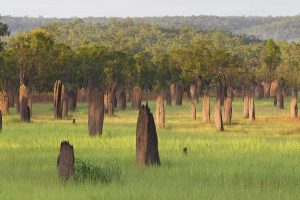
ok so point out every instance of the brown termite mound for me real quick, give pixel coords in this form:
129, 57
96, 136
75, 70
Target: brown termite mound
65, 161
178, 94
58, 96
72, 98
280, 100
110, 103
246, 106
160, 111
251, 109
206, 108
136, 98
228, 106
4, 103
146, 138
227, 110
294, 107
193, 111
96, 111
24, 108
218, 115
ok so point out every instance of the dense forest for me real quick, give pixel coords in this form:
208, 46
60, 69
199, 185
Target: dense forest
278, 28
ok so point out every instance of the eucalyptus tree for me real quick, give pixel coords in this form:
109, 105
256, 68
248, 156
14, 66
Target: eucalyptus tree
288, 73
271, 55
143, 77
33, 51
117, 69
91, 61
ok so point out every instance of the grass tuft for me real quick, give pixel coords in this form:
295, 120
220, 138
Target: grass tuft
85, 171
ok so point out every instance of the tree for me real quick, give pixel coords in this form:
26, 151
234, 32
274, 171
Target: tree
91, 59
271, 57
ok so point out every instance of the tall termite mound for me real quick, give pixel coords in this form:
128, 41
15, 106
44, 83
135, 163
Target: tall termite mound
65, 161
4, 102
96, 111
24, 108
136, 98
58, 96
146, 138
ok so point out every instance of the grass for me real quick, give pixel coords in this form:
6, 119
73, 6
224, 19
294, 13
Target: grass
250, 160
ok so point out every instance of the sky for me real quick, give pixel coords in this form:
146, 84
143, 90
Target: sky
141, 8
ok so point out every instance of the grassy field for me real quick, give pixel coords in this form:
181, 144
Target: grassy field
249, 160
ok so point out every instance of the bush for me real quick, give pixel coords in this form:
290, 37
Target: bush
85, 171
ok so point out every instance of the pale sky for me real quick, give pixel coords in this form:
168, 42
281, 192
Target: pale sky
140, 8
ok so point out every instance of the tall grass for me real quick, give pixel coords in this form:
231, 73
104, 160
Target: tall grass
250, 160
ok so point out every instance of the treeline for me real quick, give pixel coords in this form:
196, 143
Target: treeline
130, 57
278, 28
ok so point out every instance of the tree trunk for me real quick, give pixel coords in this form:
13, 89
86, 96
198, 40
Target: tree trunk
122, 100
273, 88
193, 91
206, 109
160, 111
30, 106
10, 90
280, 100
18, 105
146, 139
87, 94
221, 94
266, 87
72, 97
4, 105
136, 97
294, 107
193, 111
246, 106
65, 109
105, 102
81, 95
275, 100
96, 111
110, 103
251, 109
58, 96
24, 108
65, 161
128, 96
172, 91
218, 115
227, 110
178, 94
114, 98
198, 89
168, 97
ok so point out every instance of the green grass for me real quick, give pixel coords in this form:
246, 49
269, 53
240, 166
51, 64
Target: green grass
249, 160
